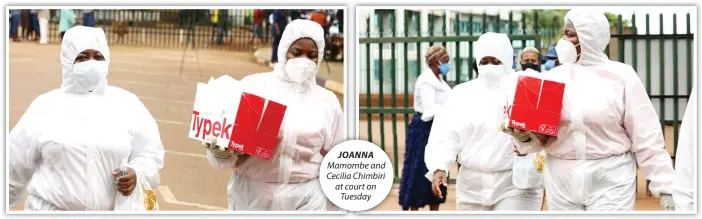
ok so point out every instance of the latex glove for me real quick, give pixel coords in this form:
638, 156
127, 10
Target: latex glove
667, 203
219, 152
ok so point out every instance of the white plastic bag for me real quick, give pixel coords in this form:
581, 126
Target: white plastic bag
142, 199
525, 174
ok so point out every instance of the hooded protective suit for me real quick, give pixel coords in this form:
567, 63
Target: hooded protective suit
70, 140
608, 126
312, 125
684, 185
471, 132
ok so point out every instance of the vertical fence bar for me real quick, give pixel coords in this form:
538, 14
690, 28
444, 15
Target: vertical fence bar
444, 27
458, 49
634, 45
369, 95
470, 47
648, 55
393, 100
524, 27
484, 26
381, 82
661, 73
689, 56
406, 69
675, 84
620, 31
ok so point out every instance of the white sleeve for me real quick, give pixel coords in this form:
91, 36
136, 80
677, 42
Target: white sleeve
147, 148
427, 96
337, 127
24, 154
444, 141
683, 185
642, 124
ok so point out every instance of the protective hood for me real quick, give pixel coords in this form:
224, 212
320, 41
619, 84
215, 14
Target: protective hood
298, 29
75, 41
592, 28
496, 45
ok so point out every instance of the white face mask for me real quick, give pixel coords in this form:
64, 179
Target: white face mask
90, 73
567, 54
300, 69
492, 73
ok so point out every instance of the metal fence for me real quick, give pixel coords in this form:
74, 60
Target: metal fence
172, 28
666, 68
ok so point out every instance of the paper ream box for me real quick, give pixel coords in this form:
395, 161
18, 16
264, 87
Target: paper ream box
536, 105
239, 120
256, 127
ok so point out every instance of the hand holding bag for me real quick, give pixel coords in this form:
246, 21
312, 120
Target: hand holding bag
143, 198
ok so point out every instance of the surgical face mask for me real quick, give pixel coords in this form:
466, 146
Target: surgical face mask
444, 68
567, 54
530, 65
550, 64
90, 73
492, 73
300, 69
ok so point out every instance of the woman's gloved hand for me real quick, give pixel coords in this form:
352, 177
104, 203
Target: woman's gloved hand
225, 153
524, 136
667, 203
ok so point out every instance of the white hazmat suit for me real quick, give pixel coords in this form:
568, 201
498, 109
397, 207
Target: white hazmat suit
684, 185
467, 127
312, 126
70, 140
608, 126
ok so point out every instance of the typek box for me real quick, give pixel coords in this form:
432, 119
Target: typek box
536, 104
239, 120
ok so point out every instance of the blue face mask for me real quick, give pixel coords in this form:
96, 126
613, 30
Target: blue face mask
444, 68
550, 64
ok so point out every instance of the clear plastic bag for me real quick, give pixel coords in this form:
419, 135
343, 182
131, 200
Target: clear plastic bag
526, 171
142, 199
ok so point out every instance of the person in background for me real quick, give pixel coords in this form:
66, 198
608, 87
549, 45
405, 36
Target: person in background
35, 24
340, 20
27, 28
467, 130
684, 185
551, 59
430, 92
222, 23
280, 21
89, 18
530, 59
319, 17
295, 14
15, 20
214, 18
67, 147
312, 126
44, 15
257, 28
67, 19
608, 128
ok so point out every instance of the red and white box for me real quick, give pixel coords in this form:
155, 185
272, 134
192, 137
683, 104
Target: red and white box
535, 104
239, 120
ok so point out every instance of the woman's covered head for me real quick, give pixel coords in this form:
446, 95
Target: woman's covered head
494, 55
300, 51
585, 37
85, 59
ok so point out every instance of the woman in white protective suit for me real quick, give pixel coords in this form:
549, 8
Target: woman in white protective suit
312, 125
684, 184
467, 127
67, 147
608, 126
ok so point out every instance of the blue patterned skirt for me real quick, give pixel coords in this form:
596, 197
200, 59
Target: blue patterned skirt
415, 189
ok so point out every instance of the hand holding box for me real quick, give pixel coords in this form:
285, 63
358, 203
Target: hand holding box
241, 121
536, 105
